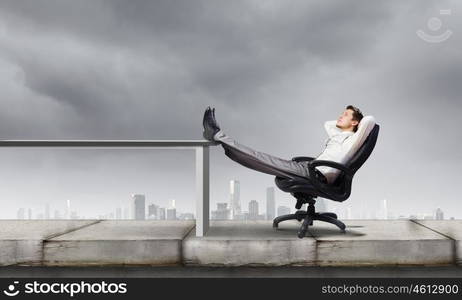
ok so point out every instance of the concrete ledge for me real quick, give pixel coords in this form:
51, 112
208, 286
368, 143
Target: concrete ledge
451, 229
381, 242
229, 243
21, 241
119, 242
239, 243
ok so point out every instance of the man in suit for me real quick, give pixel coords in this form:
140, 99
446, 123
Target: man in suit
345, 136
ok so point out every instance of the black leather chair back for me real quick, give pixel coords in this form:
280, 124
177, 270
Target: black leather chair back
361, 155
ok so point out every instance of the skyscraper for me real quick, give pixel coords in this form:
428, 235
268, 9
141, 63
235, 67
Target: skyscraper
161, 213
253, 210
222, 212
270, 203
139, 201
152, 211
68, 209
383, 214
171, 212
439, 214
235, 199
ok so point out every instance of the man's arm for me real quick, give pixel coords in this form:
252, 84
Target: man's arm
331, 128
364, 128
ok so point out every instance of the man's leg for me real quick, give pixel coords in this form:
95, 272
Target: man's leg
260, 161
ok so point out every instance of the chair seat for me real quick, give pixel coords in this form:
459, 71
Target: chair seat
301, 185
296, 184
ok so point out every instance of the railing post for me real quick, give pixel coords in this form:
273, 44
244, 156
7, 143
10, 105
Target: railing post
202, 190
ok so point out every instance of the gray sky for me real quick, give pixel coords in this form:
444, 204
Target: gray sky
274, 70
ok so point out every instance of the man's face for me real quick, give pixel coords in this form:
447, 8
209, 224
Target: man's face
345, 120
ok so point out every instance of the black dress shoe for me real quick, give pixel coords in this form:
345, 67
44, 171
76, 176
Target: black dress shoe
210, 126
214, 119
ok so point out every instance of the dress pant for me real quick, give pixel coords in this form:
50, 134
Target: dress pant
261, 161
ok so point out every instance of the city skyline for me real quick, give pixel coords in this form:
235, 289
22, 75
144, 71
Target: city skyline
138, 208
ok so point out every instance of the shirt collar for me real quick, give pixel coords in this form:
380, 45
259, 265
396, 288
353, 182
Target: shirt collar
346, 132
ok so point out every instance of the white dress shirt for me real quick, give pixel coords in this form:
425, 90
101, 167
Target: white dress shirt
341, 145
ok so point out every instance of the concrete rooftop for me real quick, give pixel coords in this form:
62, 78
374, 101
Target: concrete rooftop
229, 243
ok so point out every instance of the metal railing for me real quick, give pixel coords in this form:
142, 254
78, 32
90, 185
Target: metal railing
202, 164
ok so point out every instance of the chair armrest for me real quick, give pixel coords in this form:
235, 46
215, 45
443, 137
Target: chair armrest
325, 187
329, 163
302, 158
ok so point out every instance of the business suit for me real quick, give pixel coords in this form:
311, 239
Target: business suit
339, 147
260, 161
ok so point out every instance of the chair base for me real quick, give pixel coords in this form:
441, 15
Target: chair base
308, 217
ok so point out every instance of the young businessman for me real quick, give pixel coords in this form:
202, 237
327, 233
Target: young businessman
345, 135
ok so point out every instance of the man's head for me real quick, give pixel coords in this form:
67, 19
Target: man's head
349, 119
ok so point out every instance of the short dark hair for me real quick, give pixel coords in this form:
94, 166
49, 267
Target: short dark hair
357, 115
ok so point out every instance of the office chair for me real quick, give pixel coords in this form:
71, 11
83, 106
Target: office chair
305, 190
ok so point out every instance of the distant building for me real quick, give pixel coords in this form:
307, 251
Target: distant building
283, 210
239, 216
139, 203
152, 211
68, 209
171, 213
186, 216
161, 213
253, 210
222, 212
270, 203
74, 216
235, 198
21, 214
439, 214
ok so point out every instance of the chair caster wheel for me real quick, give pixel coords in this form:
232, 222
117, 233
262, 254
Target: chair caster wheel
275, 225
301, 234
